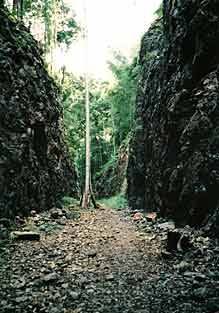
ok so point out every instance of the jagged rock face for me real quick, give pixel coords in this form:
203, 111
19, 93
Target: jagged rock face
178, 111
150, 62
112, 180
34, 167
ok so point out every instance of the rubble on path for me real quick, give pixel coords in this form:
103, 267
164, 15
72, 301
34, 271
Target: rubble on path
103, 261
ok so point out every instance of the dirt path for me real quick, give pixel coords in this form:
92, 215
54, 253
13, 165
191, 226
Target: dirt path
99, 263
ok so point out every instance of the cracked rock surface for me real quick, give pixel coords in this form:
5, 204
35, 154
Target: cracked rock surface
35, 169
174, 159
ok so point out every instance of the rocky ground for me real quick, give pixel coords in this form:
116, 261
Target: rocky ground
107, 261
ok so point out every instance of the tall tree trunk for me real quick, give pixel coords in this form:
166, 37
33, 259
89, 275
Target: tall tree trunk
21, 13
50, 8
15, 7
114, 131
18, 8
88, 195
63, 70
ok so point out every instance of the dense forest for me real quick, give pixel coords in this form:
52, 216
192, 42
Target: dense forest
109, 186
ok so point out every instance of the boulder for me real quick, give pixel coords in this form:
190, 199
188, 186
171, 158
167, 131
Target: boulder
25, 235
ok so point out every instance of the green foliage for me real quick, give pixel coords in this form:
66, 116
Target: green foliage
69, 30
111, 104
56, 19
48, 12
150, 56
74, 119
68, 201
117, 202
111, 163
122, 96
50, 227
60, 25
111, 107
159, 11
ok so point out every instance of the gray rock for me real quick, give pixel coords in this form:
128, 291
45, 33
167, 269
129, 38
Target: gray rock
25, 235
21, 299
56, 213
4, 234
5, 222
52, 277
65, 285
200, 293
195, 275
213, 304
182, 266
91, 253
75, 295
110, 277
166, 226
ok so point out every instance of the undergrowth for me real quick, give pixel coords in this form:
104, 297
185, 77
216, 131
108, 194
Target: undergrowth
68, 201
116, 202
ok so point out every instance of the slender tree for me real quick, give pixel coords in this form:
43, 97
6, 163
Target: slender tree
18, 8
15, 6
88, 194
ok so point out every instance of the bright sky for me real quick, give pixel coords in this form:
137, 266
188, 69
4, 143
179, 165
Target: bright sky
112, 25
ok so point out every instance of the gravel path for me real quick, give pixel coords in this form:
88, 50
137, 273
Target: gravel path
99, 263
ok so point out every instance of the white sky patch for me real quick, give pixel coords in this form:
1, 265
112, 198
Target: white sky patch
112, 25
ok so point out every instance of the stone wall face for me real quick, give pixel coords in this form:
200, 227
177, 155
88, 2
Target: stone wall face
35, 170
178, 112
140, 174
113, 180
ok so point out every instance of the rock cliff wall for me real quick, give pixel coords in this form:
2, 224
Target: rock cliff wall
174, 160
112, 180
34, 168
